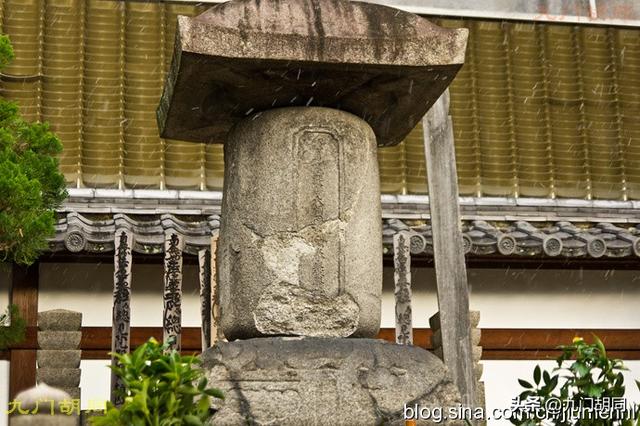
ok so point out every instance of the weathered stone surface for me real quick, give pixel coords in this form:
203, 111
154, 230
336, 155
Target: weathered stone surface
74, 392
316, 381
300, 240
59, 339
59, 358
59, 377
245, 56
59, 320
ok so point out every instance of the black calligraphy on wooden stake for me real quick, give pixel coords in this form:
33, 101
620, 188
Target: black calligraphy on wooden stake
172, 317
204, 262
402, 292
121, 316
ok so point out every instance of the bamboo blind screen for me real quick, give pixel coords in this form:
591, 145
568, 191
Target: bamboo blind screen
539, 110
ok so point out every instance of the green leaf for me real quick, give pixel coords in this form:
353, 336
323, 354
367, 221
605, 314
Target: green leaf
580, 369
216, 393
525, 384
192, 420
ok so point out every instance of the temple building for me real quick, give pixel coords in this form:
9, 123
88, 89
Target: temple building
547, 142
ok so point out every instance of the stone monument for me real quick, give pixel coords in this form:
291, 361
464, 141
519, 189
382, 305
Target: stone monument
301, 93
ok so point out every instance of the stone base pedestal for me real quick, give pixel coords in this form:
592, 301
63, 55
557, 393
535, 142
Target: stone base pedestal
324, 381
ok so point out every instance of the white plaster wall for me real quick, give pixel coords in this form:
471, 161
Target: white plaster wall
519, 298
95, 383
88, 288
5, 281
4, 392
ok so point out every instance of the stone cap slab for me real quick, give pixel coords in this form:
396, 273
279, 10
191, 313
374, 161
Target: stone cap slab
244, 56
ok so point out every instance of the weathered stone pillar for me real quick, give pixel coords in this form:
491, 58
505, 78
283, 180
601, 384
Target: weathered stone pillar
59, 354
300, 237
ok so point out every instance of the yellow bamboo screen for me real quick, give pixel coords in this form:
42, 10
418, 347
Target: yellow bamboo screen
539, 109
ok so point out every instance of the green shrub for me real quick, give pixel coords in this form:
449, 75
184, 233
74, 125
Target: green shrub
12, 327
589, 385
159, 389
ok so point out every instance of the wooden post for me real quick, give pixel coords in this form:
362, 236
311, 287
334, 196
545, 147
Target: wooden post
204, 263
172, 315
24, 294
121, 315
402, 292
448, 252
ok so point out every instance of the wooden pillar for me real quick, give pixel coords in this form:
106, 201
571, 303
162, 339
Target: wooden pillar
204, 263
172, 316
402, 292
121, 315
448, 252
24, 294
216, 331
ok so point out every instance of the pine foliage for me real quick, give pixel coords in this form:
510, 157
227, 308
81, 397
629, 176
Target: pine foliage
31, 186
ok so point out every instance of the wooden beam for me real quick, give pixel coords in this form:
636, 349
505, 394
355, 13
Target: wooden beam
24, 294
451, 273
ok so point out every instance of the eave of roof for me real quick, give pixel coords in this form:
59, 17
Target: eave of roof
94, 233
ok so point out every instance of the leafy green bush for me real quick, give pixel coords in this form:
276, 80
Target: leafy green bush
31, 186
159, 389
588, 388
12, 327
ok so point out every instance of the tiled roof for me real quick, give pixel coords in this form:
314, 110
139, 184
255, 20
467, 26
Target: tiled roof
538, 109
95, 234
